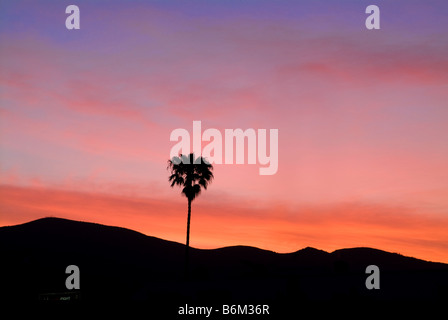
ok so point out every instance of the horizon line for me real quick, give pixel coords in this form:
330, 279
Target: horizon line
218, 248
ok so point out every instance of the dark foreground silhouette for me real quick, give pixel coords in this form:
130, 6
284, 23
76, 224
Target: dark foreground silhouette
118, 264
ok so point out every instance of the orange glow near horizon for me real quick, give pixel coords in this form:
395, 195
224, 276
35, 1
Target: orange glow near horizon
327, 228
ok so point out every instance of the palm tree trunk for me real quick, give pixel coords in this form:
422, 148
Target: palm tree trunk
187, 247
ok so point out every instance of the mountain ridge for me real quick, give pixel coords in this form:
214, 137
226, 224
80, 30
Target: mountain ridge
308, 249
122, 264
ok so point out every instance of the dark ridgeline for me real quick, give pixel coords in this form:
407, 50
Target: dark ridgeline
191, 174
118, 264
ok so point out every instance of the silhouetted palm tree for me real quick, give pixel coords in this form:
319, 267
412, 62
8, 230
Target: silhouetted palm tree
192, 174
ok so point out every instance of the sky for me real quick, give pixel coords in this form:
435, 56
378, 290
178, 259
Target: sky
86, 117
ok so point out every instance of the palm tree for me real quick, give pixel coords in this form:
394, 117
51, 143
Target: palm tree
192, 174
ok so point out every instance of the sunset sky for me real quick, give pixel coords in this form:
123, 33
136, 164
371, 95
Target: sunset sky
362, 116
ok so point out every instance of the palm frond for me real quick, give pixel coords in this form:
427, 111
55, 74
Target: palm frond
191, 173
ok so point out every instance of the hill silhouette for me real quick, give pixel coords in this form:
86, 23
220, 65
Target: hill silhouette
118, 264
